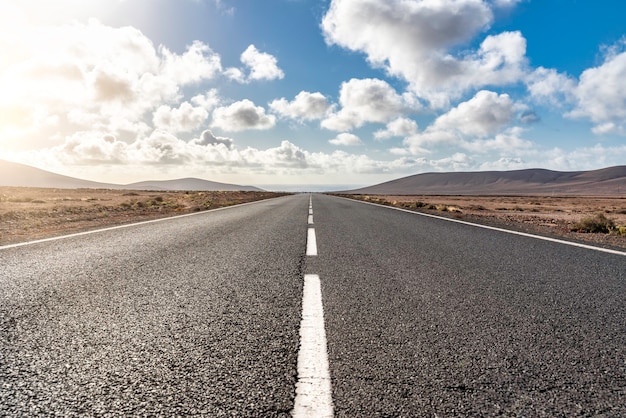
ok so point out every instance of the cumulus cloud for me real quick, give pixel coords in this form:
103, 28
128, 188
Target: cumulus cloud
185, 118
478, 124
197, 63
235, 74
397, 128
208, 101
262, 66
346, 139
241, 116
484, 114
305, 106
549, 86
207, 138
92, 77
601, 94
92, 148
417, 40
210, 155
362, 101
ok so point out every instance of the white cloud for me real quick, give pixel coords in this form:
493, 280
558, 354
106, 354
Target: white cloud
483, 115
417, 41
210, 156
92, 148
305, 106
235, 74
608, 128
197, 63
504, 163
92, 77
550, 86
185, 118
479, 124
208, 101
346, 139
365, 100
262, 65
241, 116
508, 141
207, 138
397, 128
456, 162
601, 94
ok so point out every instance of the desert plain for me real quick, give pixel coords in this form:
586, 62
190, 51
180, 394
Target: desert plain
28, 213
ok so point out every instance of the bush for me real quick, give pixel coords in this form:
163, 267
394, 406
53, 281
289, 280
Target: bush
596, 224
619, 230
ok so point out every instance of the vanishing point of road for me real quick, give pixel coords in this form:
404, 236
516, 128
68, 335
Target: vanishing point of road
311, 306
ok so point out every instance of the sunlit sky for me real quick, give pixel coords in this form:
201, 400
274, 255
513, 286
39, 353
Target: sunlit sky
311, 92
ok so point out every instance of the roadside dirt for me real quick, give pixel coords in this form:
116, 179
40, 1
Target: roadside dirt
34, 213
546, 215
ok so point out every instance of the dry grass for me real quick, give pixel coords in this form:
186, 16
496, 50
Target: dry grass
34, 213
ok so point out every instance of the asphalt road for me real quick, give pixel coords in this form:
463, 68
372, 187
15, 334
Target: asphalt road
200, 316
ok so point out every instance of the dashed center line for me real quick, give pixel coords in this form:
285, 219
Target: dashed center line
311, 243
313, 390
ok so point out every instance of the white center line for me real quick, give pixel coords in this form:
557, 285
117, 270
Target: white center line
310, 219
311, 243
313, 390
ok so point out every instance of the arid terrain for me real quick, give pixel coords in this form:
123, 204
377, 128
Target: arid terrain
558, 216
33, 213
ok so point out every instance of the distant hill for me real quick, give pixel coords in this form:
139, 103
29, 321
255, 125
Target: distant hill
187, 184
606, 181
20, 175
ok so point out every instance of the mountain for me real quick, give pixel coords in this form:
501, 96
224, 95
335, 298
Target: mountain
20, 175
188, 184
606, 181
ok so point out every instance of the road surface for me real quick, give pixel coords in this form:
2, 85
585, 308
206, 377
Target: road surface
203, 315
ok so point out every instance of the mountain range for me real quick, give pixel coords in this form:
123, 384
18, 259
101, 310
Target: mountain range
602, 182
20, 175
609, 181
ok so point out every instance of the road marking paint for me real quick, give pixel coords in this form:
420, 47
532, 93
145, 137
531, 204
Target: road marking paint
313, 389
310, 219
508, 231
310, 211
112, 228
311, 243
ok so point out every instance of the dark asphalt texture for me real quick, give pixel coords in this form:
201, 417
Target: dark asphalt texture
427, 317
200, 316
193, 316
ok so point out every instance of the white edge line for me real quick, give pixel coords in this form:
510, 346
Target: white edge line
313, 389
493, 228
311, 242
111, 228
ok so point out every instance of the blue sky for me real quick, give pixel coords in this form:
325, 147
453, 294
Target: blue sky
311, 92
